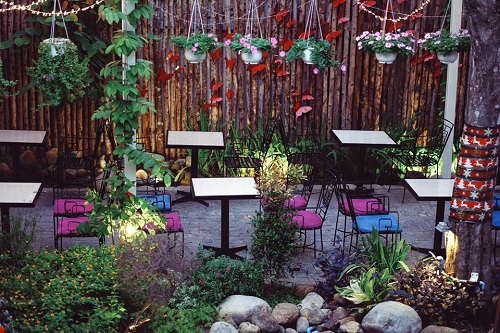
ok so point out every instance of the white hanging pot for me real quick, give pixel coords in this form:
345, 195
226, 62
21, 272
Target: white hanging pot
57, 45
252, 58
449, 58
386, 58
194, 58
307, 56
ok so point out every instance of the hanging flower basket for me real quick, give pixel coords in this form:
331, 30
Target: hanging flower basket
386, 58
250, 48
252, 58
313, 52
193, 57
445, 45
386, 43
57, 45
307, 56
196, 46
448, 58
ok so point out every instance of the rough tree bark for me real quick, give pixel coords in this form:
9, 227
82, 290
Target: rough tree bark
471, 206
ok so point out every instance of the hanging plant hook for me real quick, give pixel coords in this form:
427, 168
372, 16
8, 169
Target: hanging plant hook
195, 14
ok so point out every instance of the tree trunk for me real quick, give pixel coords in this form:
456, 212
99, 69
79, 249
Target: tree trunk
469, 244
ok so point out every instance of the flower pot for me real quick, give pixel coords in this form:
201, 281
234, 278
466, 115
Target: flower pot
386, 58
57, 45
449, 58
251, 58
307, 55
194, 58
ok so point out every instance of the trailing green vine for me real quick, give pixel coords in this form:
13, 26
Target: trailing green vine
123, 105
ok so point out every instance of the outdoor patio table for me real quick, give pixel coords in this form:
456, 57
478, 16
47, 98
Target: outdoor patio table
16, 195
432, 189
194, 140
18, 138
225, 189
363, 139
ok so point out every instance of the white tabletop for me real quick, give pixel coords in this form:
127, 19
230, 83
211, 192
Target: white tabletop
363, 138
224, 187
22, 137
19, 194
431, 188
195, 139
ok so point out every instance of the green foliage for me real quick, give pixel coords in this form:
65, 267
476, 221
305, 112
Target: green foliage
62, 78
249, 44
370, 287
321, 52
4, 84
274, 233
199, 43
193, 320
18, 242
442, 42
71, 291
400, 42
437, 298
218, 277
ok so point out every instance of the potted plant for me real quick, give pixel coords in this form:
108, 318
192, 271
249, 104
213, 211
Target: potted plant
250, 48
445, 45
196, 46
313, 52
386, 46
4, 84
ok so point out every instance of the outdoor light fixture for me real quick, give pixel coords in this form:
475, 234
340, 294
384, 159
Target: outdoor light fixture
443, 227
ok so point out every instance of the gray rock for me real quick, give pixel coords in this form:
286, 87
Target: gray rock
247, 327
302, 325
222, 327
391, 317
314, 316
334, 322
312, 301
286, 313
241, 307
438, 329
352, 327
266, 322
290, 330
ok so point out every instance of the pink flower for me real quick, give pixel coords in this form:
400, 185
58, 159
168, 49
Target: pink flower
210, 35
343, 68
253, 49
194, 49
44, 76
274, 41
389, 45
227, 42
315, 71
282, 54
216, 39
243, 41
196, 44
219, 275
228, 270
246, 45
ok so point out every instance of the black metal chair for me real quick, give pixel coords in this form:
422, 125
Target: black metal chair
421, 151
249, 152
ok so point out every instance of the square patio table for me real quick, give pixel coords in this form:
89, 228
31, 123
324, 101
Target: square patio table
432, 189
18, 138
16, 195
363, 139
194, 140
225, 189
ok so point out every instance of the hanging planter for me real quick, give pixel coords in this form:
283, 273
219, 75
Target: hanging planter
57, 45
386, 58
252, 58
196, 44
445, 45
307, 56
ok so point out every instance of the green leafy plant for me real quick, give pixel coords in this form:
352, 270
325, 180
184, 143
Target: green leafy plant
438, 298
274, 233
370, 287
193, 320
19, 240
442, 42
321, 53
249, 44
198, 43
61, 79
71, 291
400, 42
4, 84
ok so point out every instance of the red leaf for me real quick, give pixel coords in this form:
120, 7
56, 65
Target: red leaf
229, 93
229, 35
217, 86
216, 99
343, 20
437, 69
415, 16
295, 93
369, 3
288, 45
216, 54
171, 57
278, 61
282, 14
179, 69
143, 92
230, 63
162, 78
291, 23
170, 75
305, 34
394, 27
208, 105
332, 35
307, 97
282, 73
302, 110
296, 106
336, 3
257, 68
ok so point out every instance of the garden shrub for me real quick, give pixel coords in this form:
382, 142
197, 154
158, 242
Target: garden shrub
20, 239
438, 298
71, 291
194, 320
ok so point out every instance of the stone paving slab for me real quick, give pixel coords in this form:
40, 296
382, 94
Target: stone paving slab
202, 225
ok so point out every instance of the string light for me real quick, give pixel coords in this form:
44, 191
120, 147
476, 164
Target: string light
401, 17
12, 6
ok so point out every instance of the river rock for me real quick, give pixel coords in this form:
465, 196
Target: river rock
391, 317
241, 307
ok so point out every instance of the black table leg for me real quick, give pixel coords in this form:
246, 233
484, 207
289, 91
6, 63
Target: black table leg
187, 196
438, 236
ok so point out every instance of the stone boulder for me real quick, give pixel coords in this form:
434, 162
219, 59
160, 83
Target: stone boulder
312, 301
438, 329
51, 156
241, 308
247, 327
391, 317
286, 313
266, 322
222, 327
28, 160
